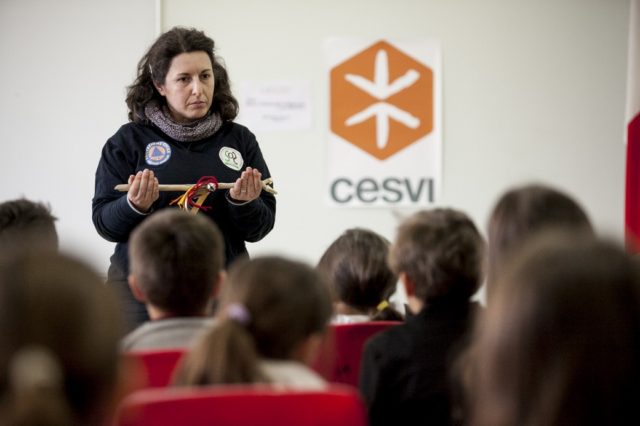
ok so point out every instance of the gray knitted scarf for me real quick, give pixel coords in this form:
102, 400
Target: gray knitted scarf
195, 131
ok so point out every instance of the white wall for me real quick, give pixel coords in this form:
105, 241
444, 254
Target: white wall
532, 90
65, 65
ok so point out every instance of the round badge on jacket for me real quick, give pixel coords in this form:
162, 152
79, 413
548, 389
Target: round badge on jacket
157, 153
231, 158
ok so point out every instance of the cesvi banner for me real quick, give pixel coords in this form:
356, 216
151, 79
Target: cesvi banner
385, 144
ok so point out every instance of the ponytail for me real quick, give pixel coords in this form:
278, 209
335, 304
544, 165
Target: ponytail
269, 307
226, 354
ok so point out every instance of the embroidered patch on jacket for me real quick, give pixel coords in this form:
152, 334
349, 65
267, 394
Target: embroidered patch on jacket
231, 158
157, 153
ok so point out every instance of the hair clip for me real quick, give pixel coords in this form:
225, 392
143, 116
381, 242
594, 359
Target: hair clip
382, 305
34, 367
238, 313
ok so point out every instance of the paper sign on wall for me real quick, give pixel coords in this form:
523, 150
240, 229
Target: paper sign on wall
275, 105
385, 143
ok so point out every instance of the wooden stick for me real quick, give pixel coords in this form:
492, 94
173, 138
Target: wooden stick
123, 187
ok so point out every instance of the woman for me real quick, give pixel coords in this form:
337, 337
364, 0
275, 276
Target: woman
180, 111
273, 312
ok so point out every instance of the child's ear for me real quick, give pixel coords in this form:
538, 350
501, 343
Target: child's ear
135, 289
409, 286
414, 303
307, 350
218, 284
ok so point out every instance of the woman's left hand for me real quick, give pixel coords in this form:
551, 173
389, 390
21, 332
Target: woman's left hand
248, 186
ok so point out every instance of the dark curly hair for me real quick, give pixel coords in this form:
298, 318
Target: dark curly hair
154, 65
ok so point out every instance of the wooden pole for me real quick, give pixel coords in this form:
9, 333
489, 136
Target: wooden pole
183, 187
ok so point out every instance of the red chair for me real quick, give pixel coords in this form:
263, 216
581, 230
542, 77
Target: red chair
339, 357
240, 405
155, 367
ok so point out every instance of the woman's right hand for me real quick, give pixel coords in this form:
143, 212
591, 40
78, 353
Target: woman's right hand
143, 190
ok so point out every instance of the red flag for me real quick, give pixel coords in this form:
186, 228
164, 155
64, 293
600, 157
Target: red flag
632, 195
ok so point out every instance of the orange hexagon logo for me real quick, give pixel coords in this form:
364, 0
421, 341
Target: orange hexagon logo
381, 100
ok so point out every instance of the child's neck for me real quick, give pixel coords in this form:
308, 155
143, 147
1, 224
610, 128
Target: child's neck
341, 308
415, 305
156, 314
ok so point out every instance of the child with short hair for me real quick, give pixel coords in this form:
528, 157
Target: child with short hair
177, 262
25, 223
438, 255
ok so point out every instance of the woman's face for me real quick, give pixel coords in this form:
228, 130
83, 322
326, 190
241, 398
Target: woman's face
188, 86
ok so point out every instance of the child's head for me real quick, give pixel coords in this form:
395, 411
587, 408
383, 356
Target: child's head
270, 307
521, 213
26, 223
176, 260
439, 253
356, 268
59, 333
560, 342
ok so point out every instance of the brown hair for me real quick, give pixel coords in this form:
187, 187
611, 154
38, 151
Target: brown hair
284, 303
59, 333
155, 64
25, 222
441, 251
176, 258
522, 212
356, 268
560, 342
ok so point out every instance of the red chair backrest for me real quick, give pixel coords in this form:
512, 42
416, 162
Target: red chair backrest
339, 357
155, 367
242, 405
